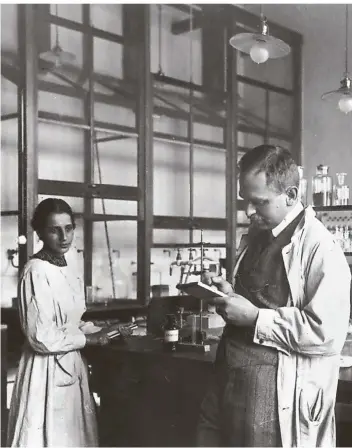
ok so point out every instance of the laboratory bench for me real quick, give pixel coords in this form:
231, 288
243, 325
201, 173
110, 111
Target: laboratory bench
152, 398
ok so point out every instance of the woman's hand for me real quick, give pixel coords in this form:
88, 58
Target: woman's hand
124, 330
99, 338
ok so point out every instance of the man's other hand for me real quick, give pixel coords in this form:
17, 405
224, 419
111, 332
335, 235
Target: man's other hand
236, 310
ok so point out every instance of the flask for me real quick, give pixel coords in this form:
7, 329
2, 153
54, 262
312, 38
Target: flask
322, 187
171, 333
302, 189
341, 190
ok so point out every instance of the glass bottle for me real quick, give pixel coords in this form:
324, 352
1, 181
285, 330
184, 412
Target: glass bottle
171, 333
302, 189
341, 190
322, 187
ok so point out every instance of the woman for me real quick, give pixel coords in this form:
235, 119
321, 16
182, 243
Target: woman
51, 403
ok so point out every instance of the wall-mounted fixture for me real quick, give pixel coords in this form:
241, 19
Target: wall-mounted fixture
260, 46
21, 240
57, 57
344, 93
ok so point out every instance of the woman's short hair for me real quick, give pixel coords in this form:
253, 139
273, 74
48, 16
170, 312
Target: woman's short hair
45, 208
276, 162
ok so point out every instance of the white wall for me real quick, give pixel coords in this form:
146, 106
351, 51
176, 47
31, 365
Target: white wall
327, 133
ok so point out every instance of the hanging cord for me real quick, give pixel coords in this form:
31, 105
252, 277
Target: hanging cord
346, 43
104, 213
160, 71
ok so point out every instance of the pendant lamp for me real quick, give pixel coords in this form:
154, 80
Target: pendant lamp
343, 95
260, 46
57, 56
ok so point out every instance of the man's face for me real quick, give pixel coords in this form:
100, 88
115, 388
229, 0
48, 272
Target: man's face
264, 206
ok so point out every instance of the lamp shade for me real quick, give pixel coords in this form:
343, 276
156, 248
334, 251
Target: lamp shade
57, 56
244, 42
342, 96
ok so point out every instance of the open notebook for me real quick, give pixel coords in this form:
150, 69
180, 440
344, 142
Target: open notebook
200, 290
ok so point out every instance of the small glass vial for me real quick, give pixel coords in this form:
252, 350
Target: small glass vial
322, 187
302, 189
341, 190
171, 333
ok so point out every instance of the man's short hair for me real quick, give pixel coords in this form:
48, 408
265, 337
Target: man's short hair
276, 162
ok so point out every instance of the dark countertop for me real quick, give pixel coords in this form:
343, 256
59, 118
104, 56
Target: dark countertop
148, 345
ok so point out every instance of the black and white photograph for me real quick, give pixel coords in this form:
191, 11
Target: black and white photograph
176, 224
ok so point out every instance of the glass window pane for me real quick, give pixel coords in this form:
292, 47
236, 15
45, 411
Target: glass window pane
61, 152
108, 57
170, 236
249, 140
117, 160
252, 106
168, 125
210, 236
60, 105
114, 207
172, 45
209, 196
281, 113
71, 41
9, 32
68, 11
8, 97
9, 274
122, 280
171, 179
277, 72
107, 17
9, 165
77, 204
210, 133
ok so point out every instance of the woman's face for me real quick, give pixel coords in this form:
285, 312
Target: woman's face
58, 233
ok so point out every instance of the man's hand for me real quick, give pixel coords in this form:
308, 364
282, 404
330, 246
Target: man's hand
236, 310
210, 278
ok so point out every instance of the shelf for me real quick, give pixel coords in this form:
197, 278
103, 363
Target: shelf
334, 208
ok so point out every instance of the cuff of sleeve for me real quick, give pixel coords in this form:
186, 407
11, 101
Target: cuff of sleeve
263, 326
263, 332
81, 340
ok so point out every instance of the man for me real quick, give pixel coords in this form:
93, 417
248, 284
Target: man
287, 312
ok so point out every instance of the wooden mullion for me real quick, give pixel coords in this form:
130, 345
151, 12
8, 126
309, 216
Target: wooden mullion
88, 68
297, 103
145, 151
231, 152
27, 128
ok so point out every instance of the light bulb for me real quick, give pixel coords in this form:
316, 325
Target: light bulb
345, 104
259, 52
